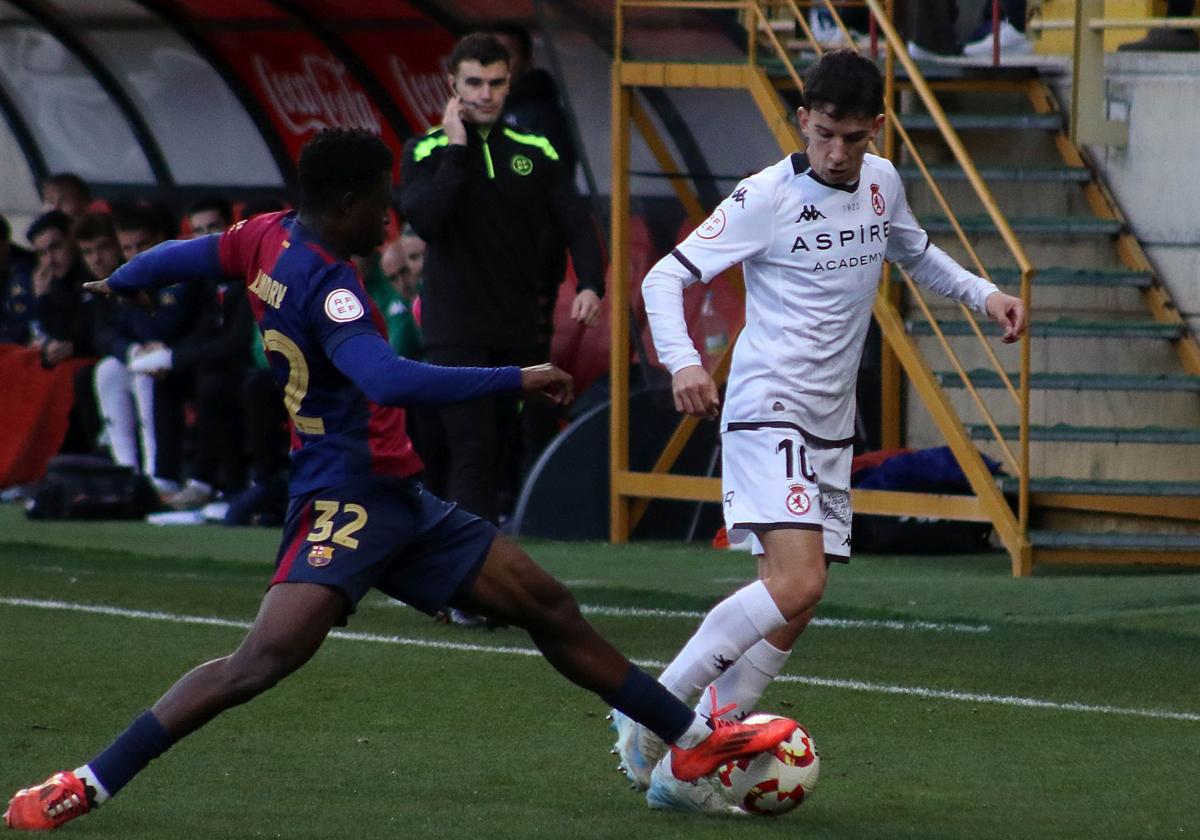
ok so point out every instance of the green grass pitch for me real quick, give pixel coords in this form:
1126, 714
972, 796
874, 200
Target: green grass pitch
947, 699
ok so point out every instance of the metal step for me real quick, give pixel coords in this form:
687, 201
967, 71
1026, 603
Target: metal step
1057, 174
1037, 225
1064, 328
1102, 487
1092, 434
1078, 381
1065, 276
986, 122
1114, 541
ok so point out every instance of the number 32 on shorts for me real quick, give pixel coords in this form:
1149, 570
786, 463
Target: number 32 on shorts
323, 527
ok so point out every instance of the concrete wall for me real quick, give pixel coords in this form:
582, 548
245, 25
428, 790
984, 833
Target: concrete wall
1155, 177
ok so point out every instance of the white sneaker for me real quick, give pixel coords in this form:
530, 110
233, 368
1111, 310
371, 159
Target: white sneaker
194, 495
919, 53
667, 793
1012, 42
638, 748
824, 30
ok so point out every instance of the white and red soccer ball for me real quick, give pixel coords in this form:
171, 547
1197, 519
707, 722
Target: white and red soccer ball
773, 782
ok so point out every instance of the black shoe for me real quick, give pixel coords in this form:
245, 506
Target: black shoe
1164, 40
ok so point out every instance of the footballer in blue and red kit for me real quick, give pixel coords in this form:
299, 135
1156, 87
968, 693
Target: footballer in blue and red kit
356, 518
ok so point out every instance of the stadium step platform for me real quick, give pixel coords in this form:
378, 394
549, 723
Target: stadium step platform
1101, 487
1026, 174
1062, 226
1078, 381
1114, 539
986, 122
1065, 432
1065, 276
1065, 328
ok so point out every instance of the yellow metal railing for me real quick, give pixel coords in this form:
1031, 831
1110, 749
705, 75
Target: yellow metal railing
758, 21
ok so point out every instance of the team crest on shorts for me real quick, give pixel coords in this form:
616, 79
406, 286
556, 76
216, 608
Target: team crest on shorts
320, 555
798, 502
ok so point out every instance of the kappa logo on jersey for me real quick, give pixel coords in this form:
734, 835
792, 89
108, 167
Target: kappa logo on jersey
342, 305
798, 502
320, 555
810, 214
877, 202
713, 226
740, 197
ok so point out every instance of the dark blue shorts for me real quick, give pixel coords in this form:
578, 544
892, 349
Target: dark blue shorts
384, 532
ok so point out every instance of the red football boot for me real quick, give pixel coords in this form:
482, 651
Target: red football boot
57, 800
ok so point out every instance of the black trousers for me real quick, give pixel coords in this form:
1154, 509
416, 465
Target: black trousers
218, 432
482, 437
264, 423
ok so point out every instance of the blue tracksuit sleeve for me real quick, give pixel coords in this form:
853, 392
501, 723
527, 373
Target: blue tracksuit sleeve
367, 360
175, 261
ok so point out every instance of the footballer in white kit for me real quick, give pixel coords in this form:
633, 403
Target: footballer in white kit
812, 233
812, 254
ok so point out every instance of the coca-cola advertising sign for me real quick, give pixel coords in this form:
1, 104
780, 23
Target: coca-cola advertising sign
301, 86
412, 64
318, 95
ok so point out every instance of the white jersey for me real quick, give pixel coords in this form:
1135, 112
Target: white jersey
812, 255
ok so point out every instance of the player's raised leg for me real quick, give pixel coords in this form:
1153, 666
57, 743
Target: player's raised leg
512, 588
291, 625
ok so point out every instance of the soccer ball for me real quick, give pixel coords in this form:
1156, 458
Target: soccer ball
773, 782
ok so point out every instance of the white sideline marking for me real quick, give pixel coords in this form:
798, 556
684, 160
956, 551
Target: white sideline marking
839, 623
823, 682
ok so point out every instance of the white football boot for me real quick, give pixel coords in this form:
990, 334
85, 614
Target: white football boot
638, 748
702, 796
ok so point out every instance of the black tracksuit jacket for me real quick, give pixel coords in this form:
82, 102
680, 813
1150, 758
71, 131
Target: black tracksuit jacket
487, 212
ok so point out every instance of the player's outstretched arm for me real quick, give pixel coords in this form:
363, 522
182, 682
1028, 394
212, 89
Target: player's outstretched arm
696, 393
175, 261
1009, 313
550, 382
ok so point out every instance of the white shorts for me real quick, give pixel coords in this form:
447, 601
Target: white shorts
773, 476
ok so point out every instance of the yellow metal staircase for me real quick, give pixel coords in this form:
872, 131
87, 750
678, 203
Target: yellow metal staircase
978, 403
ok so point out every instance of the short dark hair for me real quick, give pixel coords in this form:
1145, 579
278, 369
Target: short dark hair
848, 84
212, 202
520, 36
262, 204
70, 181
56, 219
337, 161
478, 46
94, 226
5, 228
142, 216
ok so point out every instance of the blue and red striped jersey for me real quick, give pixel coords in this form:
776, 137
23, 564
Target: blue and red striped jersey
307, 303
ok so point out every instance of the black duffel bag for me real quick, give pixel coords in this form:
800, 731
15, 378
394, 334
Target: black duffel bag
91, 487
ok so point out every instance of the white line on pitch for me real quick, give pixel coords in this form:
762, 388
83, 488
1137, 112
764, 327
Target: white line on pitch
823, 682
839, 623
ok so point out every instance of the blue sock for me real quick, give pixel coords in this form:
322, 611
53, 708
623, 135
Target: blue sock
645, 700
144, 741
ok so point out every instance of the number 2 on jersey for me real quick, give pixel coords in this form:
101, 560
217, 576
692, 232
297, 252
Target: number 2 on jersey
297, 384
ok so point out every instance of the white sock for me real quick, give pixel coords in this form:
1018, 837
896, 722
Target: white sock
89, 779
727, 632
111, 381
694, 734
744, 682
143, 396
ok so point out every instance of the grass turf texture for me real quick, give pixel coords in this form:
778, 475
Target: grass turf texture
380, 740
